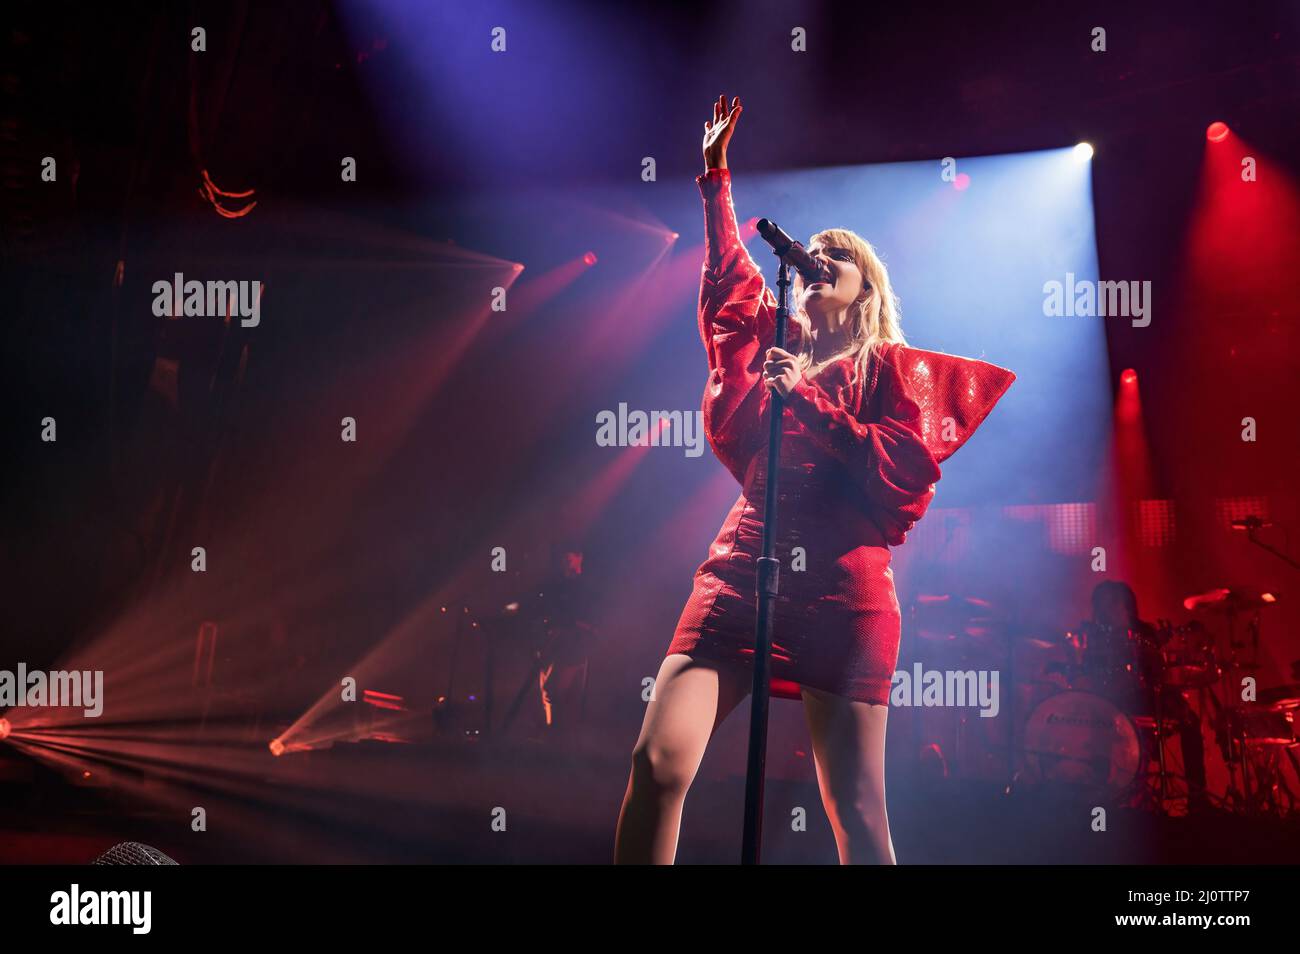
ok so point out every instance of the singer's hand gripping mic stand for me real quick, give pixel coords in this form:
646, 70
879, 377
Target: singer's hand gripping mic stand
767, 584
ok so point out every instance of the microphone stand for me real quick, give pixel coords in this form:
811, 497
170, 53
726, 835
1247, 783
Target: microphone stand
1250, 535
767, 584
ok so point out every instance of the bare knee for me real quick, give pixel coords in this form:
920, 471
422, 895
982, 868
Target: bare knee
858, 813
661, 771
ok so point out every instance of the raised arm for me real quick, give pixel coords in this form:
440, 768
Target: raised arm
737, 309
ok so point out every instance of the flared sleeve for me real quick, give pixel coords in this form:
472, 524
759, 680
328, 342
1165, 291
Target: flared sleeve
923, 406
953, 394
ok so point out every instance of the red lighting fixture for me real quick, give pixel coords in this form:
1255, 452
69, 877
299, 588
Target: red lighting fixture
1216, 132
5, 728
589, 258
1129, 377
382, 700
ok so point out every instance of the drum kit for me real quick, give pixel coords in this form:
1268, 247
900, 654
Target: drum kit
1092, 710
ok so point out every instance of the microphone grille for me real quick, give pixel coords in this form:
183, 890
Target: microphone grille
133, 853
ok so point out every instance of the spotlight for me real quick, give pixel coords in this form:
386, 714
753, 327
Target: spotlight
672, 237
519, 266
962, 182
1216, 132
1083, 151
5, 728
589, 258
277, 747
1129, 377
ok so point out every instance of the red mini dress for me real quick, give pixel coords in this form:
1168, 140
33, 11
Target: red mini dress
859, 459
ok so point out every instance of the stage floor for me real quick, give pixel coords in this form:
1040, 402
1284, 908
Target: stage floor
384, 803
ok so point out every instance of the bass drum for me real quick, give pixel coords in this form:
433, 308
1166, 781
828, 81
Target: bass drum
1082, 740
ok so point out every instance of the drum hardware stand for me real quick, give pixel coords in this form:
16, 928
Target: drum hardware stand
1205, 698
1151, 795
1235, 761
1253, 525
1141, 793
1162, 735
1159, 689
1160, 745
1290, 793
1272, 780
1203, 693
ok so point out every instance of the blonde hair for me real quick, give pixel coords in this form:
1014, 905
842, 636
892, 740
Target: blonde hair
875, 317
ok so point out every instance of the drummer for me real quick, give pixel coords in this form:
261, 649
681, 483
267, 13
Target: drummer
1123, 650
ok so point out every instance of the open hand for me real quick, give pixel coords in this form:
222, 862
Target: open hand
717, 133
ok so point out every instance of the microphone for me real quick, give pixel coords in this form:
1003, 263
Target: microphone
794, 253
1250, 522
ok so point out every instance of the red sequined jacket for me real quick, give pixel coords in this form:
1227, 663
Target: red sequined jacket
891, 431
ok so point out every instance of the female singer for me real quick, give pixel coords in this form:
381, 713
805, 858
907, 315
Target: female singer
867, 422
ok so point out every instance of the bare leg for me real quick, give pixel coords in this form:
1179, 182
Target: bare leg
691, 699
849, 749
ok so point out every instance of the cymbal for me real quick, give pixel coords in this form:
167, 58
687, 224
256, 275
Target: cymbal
1035, 642
949, 599
1228, 600
945, 612
1282, 697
